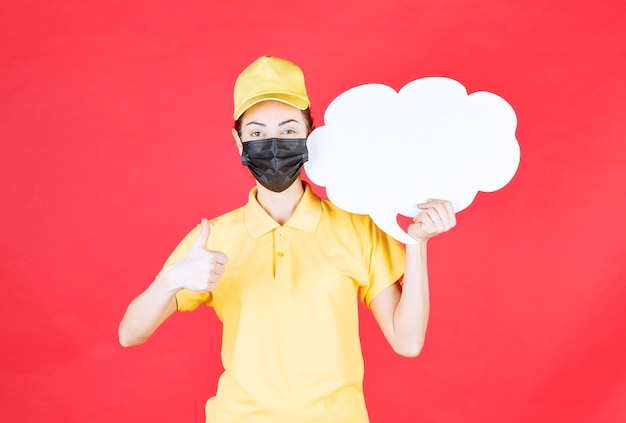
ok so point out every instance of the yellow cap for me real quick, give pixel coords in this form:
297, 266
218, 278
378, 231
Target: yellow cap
270, 78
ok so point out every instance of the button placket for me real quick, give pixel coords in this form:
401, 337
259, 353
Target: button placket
281, 260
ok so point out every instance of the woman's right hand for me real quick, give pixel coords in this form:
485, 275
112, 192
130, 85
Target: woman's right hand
200, 268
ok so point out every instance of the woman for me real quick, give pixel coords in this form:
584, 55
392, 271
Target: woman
284, 272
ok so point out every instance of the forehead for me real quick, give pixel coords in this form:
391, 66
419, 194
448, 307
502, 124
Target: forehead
269, 111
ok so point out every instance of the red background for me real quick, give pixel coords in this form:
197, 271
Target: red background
115, 128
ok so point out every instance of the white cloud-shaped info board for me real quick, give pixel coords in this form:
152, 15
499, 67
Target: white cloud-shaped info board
382, 152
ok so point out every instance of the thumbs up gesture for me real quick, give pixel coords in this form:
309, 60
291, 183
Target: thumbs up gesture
200, 268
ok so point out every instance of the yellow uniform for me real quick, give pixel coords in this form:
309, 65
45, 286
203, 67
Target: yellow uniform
288, 302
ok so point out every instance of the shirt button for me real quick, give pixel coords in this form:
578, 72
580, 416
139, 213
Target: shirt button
280, 234
280, 254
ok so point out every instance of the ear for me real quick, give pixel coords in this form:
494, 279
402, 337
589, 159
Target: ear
238, 141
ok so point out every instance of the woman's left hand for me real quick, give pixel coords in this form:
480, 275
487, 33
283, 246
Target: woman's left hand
436, 216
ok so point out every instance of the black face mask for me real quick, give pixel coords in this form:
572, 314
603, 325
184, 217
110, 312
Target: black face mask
275, 162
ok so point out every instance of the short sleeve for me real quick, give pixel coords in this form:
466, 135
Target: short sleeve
386, 260
187, 300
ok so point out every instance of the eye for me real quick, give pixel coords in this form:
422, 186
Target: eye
290, 131
256, 134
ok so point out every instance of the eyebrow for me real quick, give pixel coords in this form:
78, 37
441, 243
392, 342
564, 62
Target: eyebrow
280, 124
288, 121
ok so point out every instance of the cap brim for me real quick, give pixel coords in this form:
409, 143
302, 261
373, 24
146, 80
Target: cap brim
296, 101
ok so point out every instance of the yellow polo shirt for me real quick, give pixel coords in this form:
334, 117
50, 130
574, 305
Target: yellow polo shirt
288, 302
